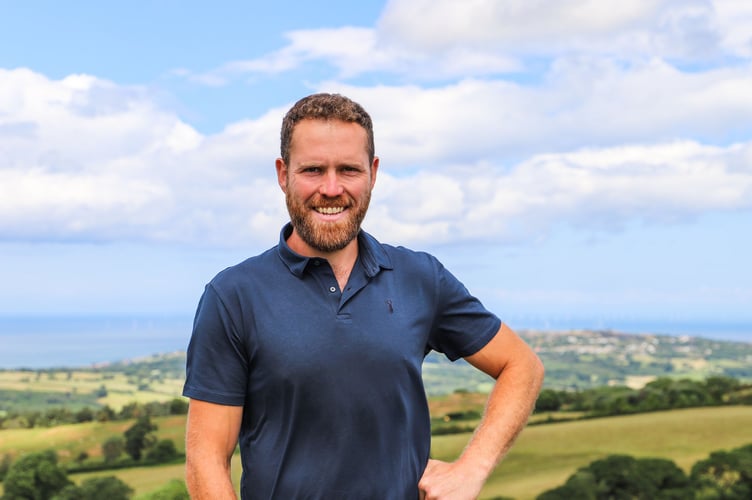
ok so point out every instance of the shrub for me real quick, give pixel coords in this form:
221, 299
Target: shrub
139, 437
97, 488
622, 476
35, 476
163, 451
113, 448
725, 474
174, 490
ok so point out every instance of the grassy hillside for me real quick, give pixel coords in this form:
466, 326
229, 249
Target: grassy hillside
146, 480
543, 457
546, 455
70, 440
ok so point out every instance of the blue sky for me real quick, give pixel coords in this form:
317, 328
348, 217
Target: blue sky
564, 158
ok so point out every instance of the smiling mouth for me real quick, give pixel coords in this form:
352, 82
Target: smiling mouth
330, 210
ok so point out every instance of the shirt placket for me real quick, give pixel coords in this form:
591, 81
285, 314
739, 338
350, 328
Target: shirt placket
327, 283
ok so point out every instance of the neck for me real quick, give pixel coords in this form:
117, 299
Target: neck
341, 261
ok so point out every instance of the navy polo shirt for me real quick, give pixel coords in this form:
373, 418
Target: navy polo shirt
329, 379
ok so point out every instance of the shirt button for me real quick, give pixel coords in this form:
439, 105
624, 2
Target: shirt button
316, 263
332, 289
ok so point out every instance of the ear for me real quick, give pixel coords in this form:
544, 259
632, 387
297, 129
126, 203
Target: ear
374, 170
279, 164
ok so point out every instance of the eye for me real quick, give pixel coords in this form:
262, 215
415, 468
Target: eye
311, 170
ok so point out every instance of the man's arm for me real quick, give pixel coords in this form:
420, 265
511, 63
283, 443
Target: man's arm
210, 439
519, 376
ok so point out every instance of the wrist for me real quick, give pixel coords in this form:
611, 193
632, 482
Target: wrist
477, 468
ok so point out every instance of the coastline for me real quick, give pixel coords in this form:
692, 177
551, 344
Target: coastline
37, 342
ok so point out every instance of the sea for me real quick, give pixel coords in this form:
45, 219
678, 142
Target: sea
76, 341
37, 342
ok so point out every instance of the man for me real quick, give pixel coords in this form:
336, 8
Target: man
311, 352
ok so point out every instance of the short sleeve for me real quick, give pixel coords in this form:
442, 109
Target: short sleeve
217, 365
463, 325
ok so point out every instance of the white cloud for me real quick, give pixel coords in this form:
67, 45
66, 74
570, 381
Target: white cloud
601, 189
353, 51
436, 40
609, 132
686, 29
581, 102
509, 24
734, 22
85, 164
87, 160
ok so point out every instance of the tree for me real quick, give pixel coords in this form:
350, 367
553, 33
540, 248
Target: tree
96, 488
36, 476
174, 490
131, 410
163, 451
580, 485
84, 415
548, 400
724, 475
623, 477
139, 437
113, 448
5, 465
101, 392
719, 387
667, 478
178, 407
618, 476
157, 409
105, 414
57, 416
31, 419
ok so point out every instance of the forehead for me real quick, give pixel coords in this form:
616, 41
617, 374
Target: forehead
316, 134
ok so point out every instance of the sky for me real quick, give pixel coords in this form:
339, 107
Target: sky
563, 158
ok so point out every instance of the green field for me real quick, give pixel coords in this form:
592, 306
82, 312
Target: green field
77, 388
70, 440
146, 480
544, 456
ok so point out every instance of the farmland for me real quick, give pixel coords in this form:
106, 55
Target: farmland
544, 456
574, 360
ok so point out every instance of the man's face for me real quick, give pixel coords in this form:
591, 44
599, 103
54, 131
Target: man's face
327, 183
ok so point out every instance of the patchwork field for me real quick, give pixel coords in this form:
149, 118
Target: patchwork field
70, 440
74, 389
544, 456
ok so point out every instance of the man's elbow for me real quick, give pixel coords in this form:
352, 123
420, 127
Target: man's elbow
537, 369
192, 479
208, 476
197, 461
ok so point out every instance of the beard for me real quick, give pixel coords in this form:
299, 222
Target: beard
327, 236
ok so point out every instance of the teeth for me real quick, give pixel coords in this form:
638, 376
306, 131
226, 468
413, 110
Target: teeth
329, 210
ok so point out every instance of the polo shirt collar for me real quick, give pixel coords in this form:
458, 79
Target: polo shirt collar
371, 254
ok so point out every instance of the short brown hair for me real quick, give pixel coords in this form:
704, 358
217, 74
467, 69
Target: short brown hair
325, 107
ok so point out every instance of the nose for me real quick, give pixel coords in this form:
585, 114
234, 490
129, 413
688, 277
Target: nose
331, 185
